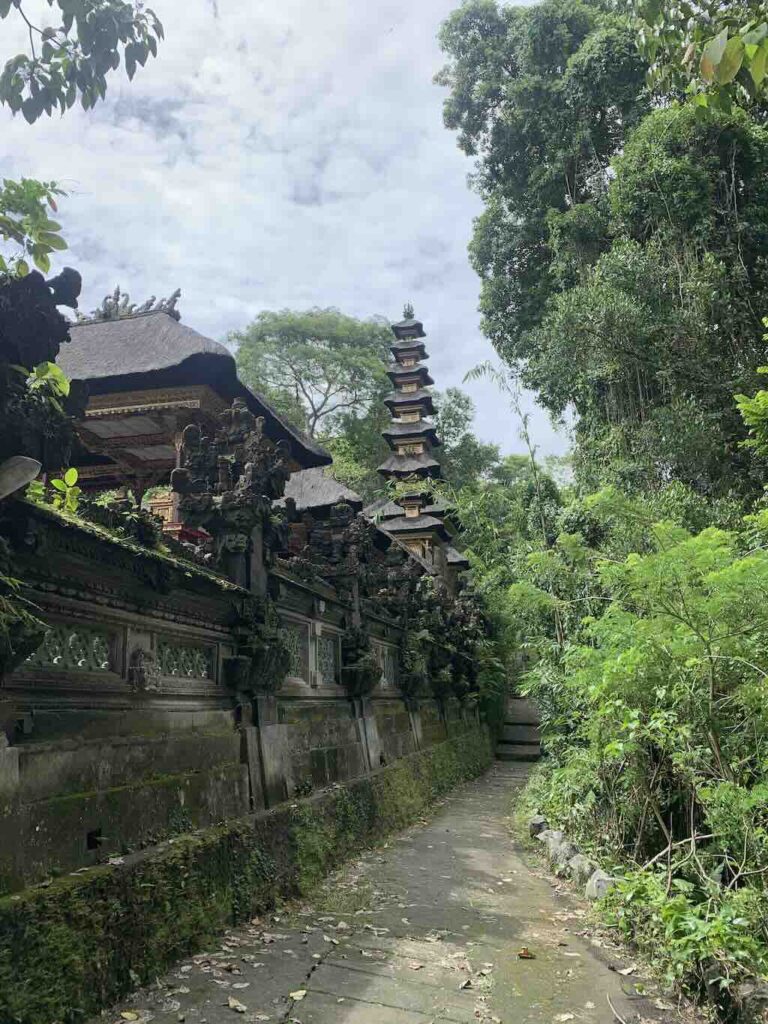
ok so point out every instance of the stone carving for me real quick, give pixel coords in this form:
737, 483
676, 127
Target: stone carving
184, 661
263, 659
143, 671
328, 659
32, 331
360, 671
72, 648
228, 482
119, 305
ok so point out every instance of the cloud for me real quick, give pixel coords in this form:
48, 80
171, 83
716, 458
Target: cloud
278, 154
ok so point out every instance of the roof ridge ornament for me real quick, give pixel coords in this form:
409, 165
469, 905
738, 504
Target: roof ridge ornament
408, 313
118, 306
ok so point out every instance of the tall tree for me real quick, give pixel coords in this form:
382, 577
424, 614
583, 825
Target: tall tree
542, 96
73, 58
319, 361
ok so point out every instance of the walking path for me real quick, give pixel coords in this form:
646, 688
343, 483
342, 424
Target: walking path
426, 929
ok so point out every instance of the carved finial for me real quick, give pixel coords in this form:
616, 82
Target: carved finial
408, 313
118, 305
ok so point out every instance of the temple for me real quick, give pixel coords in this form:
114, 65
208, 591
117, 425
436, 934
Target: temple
414, 515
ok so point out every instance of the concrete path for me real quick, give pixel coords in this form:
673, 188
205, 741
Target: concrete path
429, 928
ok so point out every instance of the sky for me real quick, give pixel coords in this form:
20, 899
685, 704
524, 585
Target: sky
278, 153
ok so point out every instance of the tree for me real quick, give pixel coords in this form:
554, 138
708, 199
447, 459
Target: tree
543, 97
463, 458
320, 360
73, 58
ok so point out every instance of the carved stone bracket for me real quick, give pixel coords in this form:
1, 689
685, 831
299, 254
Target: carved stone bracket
262, 660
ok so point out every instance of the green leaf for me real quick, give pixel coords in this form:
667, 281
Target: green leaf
54, 241
712, 55
70, 477
731, 61
758, 63
42, 262
22, 268
59, 485
5, 6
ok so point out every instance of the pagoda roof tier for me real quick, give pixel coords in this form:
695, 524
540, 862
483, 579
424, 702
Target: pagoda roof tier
315, 489
422, 398
396, 372
406, 465
409, 328
455, 558
408, 347
417, 524
419, 431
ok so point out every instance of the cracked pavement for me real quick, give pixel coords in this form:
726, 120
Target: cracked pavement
426, 928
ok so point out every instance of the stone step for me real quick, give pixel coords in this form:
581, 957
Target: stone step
517, 752
521, 711
516, 733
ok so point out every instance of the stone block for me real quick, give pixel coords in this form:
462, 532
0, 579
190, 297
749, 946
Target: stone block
598, 885
560, 855
537, 825
9, 768
581, 868
750, 1000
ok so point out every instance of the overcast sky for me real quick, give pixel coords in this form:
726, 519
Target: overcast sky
278, 153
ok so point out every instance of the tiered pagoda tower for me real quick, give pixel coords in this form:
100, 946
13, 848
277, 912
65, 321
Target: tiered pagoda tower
415, 518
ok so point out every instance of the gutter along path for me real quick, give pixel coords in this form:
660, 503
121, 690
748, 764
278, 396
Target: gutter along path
426, 929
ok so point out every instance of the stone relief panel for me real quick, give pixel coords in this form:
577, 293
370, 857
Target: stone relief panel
328, 660
185, 661
295, 636
386, 658
74, 649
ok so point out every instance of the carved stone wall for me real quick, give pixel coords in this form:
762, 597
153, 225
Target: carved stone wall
127, 725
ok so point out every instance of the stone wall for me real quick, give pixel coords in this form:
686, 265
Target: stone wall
121, 730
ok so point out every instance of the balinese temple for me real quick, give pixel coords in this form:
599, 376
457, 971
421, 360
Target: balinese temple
415, 517
148, 376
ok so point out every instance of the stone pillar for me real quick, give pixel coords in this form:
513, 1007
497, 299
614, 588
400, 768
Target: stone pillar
369, 732
258, 575
274, 757
414, 714
9, 769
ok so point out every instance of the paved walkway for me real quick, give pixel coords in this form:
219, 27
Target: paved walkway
426, 929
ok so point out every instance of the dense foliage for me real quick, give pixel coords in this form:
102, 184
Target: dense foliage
621, 156
621, 250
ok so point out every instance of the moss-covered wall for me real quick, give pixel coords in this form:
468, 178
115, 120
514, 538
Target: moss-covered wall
396, 734
69, 948
324, 741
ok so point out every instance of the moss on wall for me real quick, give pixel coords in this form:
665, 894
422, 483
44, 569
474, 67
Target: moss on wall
71, 948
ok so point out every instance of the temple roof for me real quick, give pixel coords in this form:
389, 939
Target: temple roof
315, 488
420, 397
396, 370
417, 524
409, 345
408, 328
455, 558
154, 350
410, 464
418, 431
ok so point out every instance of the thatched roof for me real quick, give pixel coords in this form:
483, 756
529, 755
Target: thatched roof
153, 350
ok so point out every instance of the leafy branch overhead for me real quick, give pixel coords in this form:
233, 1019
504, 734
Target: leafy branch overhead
73, 58
25, 224
713, 52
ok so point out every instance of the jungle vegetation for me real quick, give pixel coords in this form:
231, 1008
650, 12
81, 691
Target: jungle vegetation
620, 153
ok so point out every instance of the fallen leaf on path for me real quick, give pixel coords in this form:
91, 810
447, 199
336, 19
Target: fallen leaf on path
628, 970
467, 983
241, 984
562, 1017
298, 995
525, 954
236, 1005
129, 1015
415, 965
